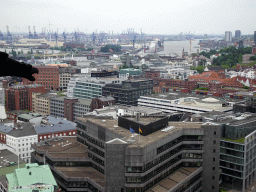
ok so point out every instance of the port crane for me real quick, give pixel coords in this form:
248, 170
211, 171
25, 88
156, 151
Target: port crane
9, 35
30, 36
35, 34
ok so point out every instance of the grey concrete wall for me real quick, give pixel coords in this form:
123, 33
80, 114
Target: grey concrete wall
115, 167
208, 155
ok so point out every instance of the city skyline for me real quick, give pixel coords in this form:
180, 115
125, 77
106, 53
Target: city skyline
164, 17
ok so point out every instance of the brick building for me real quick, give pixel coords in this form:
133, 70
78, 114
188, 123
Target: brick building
3, 130
19, 97
50, 131
190, 85
101, 102
68, 108
48, 77
152, 74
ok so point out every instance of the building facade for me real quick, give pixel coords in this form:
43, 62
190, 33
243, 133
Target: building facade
228, 36
20, 140
179, 157
48, 77
130, 90
19, 97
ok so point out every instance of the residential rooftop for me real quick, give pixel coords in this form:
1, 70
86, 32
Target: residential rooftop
25, 129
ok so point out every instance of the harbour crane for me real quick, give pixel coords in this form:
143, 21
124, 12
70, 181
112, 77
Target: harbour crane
35, 34
30, 36
9, 35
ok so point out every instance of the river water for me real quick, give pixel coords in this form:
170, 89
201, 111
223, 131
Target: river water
176, 47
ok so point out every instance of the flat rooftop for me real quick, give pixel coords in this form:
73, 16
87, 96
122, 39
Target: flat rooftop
174, 95
89, 172
68, 147
133, 139
173, 179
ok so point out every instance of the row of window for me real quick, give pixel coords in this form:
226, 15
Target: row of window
178, 140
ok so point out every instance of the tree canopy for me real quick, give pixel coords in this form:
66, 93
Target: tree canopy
108, 48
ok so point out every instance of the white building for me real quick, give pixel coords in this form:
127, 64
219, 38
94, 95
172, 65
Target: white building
20, 140
228, 36
177, 73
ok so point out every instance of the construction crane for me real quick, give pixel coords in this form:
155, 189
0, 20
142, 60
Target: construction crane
30, 36
35, 34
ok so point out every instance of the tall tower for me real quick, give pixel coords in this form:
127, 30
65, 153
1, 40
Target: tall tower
228, 36
183, 53
255, 37
237, 34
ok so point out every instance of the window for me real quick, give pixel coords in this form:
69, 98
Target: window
212, 187
214, 141
213, 168
213, 159
214, 132
214, 150
213, 177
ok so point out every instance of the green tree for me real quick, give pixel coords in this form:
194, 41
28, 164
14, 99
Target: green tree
200, 69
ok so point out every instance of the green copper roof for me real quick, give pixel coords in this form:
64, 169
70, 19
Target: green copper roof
32, 176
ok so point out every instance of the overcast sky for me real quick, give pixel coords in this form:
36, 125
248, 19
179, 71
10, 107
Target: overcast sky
153, 17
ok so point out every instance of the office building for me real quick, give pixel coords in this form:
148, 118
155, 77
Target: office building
65, 74
228, 36
48, 77
165, 156
41, 102
237, 148
187, 102
2, 96
254, 37
69, 108
237, 34
92, 88
130, 90
19, 97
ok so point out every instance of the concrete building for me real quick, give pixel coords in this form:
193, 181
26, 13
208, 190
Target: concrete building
254, 37
130, 90
228, 36
177, 73
129, 72
237, 144
21, 138
165, 156
2, 96
32, 177
237, 34
41, 102
69, 108
187, 102
19, 97
65, 74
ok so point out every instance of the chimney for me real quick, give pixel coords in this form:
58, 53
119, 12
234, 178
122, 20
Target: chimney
137, 116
